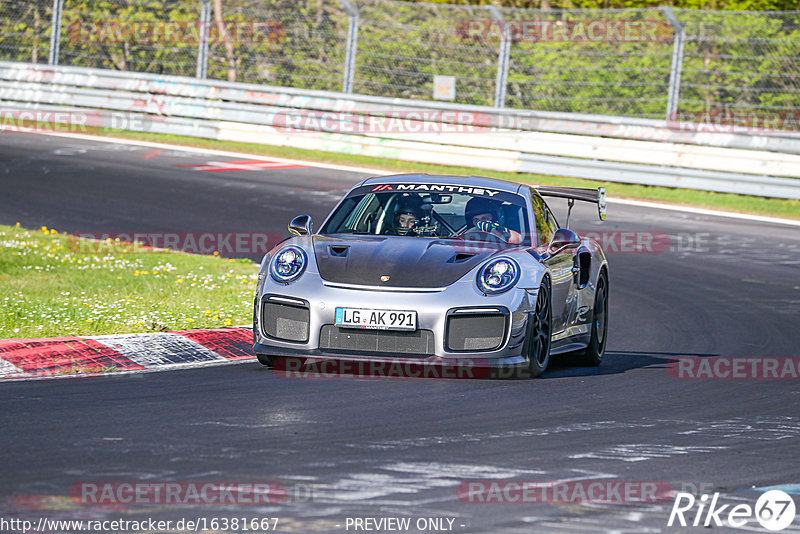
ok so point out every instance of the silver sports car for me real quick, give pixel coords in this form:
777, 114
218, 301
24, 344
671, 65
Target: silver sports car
436, 270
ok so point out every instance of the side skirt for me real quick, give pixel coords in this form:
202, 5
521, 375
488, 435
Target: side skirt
570, 344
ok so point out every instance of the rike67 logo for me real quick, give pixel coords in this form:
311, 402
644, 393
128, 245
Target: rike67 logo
774, 510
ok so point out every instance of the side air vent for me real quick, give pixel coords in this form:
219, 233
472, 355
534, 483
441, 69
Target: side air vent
582, 264
338, 251
460, 257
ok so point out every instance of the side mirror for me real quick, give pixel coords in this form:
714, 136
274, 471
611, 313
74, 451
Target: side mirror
563, 239
300, 225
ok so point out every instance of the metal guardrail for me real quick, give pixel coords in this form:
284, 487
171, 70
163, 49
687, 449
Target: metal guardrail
644, 151
554, 122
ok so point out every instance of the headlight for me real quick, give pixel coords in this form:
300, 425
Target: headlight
498, 275
288, 264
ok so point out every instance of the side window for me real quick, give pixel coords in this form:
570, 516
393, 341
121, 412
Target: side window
359, 219
552, 223
369, 215
546, 224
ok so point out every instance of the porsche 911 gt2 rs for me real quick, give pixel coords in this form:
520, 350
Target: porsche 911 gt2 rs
436, 269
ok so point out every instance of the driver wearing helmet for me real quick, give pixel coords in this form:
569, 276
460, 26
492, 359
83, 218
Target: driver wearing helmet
483, 215
406, 217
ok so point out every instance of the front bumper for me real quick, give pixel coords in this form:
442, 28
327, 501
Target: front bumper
432, 307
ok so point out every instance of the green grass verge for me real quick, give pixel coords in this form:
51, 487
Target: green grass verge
56, 285
689, 197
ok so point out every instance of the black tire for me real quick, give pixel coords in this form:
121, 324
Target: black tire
540, 329
264, 359
593, 354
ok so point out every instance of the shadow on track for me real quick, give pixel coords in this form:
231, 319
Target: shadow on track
615, 362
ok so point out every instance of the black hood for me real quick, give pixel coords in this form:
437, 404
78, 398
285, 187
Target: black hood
407, 261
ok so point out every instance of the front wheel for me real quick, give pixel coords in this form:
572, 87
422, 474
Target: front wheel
592, 355
267, 360
538, 339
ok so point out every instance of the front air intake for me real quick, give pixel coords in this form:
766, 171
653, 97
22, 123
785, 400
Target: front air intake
475, 331
286, 321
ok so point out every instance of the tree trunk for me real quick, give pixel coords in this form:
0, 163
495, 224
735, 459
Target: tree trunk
36, 24
229, 51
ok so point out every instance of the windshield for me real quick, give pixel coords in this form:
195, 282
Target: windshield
450, 212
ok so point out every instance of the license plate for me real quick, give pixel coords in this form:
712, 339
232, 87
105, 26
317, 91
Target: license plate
376, 319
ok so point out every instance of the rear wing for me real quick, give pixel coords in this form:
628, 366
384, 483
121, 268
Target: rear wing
598, 196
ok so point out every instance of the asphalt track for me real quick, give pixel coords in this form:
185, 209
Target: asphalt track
384, 447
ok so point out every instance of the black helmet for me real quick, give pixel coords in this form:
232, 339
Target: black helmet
478, 205
405, 208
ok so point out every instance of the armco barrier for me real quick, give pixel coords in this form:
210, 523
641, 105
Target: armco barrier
617, 149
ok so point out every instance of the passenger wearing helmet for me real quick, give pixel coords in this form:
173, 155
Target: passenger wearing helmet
483, 215
406, 216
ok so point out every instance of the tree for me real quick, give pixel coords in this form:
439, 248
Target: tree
222, 32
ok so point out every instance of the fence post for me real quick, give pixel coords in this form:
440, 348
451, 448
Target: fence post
202, 48
55, 31
679, 40
502, 59
352, 46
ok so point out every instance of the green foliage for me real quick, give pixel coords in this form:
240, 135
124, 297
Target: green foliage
403, 45
741, 61
58, 285
729, 5
616, 77
303, 44
103, 34
25, 30
736, 61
